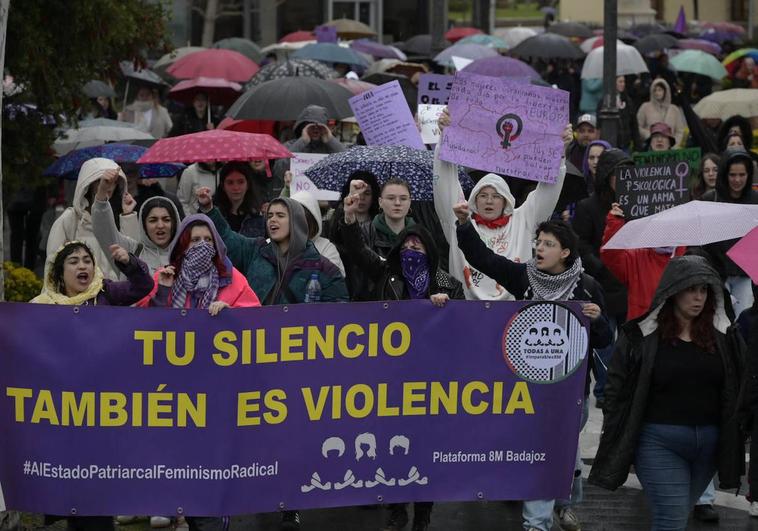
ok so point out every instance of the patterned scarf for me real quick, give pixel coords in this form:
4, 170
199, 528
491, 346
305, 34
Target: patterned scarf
547, 287
199, 275
415, 267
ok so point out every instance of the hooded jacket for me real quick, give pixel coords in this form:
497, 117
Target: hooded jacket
325, 248
652, 112
513, 240
143, 247
233, 286
746, 132
262, 265
631, 372
589, 225
76, 222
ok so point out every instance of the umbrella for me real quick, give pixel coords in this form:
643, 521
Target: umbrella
655, 42
548, 46
420, 45
328, 52
168, 59
284, 99
95, 135
719, 36
244, 46
744, 253
698, 62
394, 66
726, 103
596, 42
283, 49
96, 89
351, 29
467, 51
485, 40
410, 91
225, 64
456, 34
378, 50
733, 60
299, 36
413, 165
219, 91
693, 223
68, 165
142, 75
725, 26
353, 85
628, 61
502, 67
514, 36
700, 44
640, 30
292, 68
571, 29
215, 146
107, 122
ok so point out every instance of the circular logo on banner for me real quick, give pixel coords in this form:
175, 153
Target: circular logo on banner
544, 343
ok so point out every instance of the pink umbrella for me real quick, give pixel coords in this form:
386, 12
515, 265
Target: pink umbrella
457, 33
353, 85
215, 146
725, 26
219, 91
745, 254
216, 62
700, 44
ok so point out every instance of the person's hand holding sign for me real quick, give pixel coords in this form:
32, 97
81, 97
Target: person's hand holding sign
616, 210
444, 120
568, 136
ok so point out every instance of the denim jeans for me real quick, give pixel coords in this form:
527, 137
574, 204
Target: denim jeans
674, 464
602, 359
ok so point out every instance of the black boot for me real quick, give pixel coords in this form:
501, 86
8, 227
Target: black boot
290, 521
398, 517
422, 514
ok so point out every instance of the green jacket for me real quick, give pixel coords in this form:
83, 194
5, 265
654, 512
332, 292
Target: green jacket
255, 258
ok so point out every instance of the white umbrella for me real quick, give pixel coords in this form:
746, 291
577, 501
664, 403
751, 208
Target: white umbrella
693, 223
725, 103
96, 136
628, 61
513, 36
588, 44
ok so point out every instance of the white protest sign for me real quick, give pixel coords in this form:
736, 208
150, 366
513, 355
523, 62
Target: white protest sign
298, 164
427, 118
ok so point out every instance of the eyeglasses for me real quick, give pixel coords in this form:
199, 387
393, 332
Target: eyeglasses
487, 197
547, 243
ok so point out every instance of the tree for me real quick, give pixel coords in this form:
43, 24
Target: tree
211, 11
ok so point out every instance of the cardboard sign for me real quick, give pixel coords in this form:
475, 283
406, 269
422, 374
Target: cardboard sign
427, 117
385, 118
298, 164
434, 89
645, 190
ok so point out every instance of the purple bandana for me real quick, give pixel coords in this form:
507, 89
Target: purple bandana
415, 266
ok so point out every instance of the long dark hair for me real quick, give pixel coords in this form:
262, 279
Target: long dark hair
250, 203
56, 271
702, 329
370, 179
700, 188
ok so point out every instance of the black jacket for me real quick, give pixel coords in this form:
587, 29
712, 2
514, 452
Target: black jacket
386, 274
750, 403
630, 374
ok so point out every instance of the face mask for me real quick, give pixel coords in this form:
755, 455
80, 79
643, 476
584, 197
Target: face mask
415, 267
200, 256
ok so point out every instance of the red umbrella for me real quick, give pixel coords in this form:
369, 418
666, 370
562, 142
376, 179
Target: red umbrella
299, 36
219, 91
456, 34
215, 62
214, 146
353, 85
248, 126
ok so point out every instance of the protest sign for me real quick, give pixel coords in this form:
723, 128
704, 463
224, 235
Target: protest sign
427, 117
326, 34
385, 118
506, 127
157, 411
434, 89
690, 155
298, 164
645, 190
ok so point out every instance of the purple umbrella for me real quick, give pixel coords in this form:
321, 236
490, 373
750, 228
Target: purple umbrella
378, 50
502, 67
720, 36
700, 44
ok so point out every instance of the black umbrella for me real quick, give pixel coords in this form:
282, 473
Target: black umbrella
409, 89
655, 42
420, 45
283, 99
292, 68
628, 38
571, 29
548, 46
642, 30
96, 89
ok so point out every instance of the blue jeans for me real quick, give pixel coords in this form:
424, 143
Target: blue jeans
602, 359
674, 464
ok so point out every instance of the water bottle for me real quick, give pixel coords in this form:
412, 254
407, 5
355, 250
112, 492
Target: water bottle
313, 289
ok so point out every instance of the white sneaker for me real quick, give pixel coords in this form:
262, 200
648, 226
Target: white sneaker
158, 522
127, 519
753, 509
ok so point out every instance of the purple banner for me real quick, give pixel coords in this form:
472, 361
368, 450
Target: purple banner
155, 411
505, 126
434, 89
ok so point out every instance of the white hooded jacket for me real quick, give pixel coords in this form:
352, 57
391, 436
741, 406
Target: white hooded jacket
76, 222
514, 240
325, 247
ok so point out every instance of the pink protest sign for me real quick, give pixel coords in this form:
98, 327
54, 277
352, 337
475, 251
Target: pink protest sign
506, 127
385, 118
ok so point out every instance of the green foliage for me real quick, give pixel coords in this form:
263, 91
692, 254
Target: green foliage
21, 284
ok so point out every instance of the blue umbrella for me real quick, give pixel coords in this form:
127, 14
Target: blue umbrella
413, 165
330, 53
68, 166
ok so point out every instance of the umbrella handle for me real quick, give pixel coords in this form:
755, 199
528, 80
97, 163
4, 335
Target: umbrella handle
126, 93
209, 109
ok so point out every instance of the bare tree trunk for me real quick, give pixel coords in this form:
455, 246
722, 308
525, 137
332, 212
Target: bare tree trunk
209, 22
5, 6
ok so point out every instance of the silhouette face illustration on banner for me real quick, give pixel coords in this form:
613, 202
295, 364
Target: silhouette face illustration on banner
505, 128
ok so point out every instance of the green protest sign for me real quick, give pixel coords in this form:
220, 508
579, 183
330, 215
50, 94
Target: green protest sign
690, 155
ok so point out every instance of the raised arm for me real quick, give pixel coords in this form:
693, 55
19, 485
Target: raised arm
103, 222
138, 283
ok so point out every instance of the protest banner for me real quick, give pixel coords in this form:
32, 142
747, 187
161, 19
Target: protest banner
645, 190
506, 127
690, 155
385, 118
159, 411
427, 117
298, 164
434, 89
